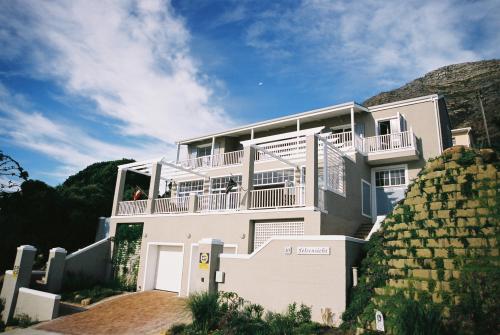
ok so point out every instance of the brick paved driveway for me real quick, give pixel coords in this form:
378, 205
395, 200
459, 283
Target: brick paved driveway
138, 313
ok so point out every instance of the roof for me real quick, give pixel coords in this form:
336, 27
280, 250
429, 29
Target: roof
284, 121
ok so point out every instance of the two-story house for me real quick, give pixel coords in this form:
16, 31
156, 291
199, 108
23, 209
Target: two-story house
329, 171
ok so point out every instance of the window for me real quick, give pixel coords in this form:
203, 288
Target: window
187, 187
273, 177
203, 151
392, 177
218, 185
366, 198
341, 129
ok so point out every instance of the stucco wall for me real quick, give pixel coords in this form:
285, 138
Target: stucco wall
92, 261
229, 227
274, 279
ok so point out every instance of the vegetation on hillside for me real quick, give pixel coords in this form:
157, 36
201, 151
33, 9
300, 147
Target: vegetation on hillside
434, 266
63, 216
459, 83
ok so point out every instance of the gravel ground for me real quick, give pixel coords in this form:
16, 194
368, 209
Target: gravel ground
139, 313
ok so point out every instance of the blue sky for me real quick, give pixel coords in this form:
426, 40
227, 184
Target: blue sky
84, 81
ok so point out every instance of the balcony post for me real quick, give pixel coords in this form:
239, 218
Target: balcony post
154, 186
312, 171
247, 177
352, 126
193, 203
119, 186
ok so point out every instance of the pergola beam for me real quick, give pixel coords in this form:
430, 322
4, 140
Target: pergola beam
178, 167
272, 154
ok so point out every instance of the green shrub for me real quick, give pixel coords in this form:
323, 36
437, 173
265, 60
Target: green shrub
205, 310
478, 292
23, 321
2, 306
410, 317
95, 294
227, 313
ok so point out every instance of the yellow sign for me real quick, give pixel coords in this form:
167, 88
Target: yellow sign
204, 260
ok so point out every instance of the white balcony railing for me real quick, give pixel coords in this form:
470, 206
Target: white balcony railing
340, 140
132, 207
278, 197
291, 149
387, 142
172, 205
219, 202
225, 159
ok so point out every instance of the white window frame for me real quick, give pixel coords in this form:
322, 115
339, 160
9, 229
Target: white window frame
347, 125
272, 183
374, 188
189, 181
377, 129
223, 189
369, 215
204, 146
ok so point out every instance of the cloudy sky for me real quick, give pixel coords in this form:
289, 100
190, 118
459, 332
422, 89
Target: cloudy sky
84, 81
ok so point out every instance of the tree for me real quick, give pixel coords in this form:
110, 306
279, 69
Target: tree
12, 175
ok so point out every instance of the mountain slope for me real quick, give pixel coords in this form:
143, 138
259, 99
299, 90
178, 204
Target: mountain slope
459, 84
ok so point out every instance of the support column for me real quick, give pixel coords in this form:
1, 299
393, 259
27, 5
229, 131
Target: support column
55, 269
120, 184
154, 187
247, 177
311, 171
208, 263
352, 126
193, 203
14, 279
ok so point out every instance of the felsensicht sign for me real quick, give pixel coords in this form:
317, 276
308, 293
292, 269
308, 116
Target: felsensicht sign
313, 250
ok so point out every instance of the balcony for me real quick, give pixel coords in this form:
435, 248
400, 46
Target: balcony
280, 197
391, 148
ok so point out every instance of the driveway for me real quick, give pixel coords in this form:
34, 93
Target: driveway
147, 312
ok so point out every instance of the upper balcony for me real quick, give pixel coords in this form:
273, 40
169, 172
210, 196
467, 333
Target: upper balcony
277, 191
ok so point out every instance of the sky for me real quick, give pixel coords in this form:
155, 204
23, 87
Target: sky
83, 81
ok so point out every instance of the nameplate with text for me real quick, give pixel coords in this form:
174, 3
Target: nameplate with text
313, 250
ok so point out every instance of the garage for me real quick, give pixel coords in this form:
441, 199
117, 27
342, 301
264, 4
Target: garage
169, 268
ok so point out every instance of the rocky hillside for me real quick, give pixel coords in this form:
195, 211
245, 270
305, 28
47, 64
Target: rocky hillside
459, 84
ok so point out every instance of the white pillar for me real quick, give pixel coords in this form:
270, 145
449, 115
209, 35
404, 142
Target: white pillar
212, 152
312, 171
120, 184
247, 177
154, 186
178, 152
352, 126
251, 134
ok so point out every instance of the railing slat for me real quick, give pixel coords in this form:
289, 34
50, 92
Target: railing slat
277, 197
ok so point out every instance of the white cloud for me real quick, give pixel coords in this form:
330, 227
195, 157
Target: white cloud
386, 41
62, 140
131, 58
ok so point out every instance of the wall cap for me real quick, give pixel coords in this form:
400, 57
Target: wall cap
26, 247
40, 293
211, 241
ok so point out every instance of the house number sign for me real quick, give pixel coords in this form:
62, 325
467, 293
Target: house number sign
313, 250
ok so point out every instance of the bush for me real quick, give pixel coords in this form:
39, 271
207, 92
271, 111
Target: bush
2, 306
205, 310
227, 313
23, 321
478, 310
95, 294
409, 317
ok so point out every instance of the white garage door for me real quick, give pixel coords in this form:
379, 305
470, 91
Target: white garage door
169, 269
265, 230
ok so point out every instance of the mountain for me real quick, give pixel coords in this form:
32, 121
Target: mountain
459, 83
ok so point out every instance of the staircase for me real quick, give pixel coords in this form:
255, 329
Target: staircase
363, 230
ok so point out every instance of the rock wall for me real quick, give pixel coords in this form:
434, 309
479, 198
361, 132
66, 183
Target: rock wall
449, 217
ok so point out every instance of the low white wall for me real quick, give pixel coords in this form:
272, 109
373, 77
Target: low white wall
276, 274
38, 305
